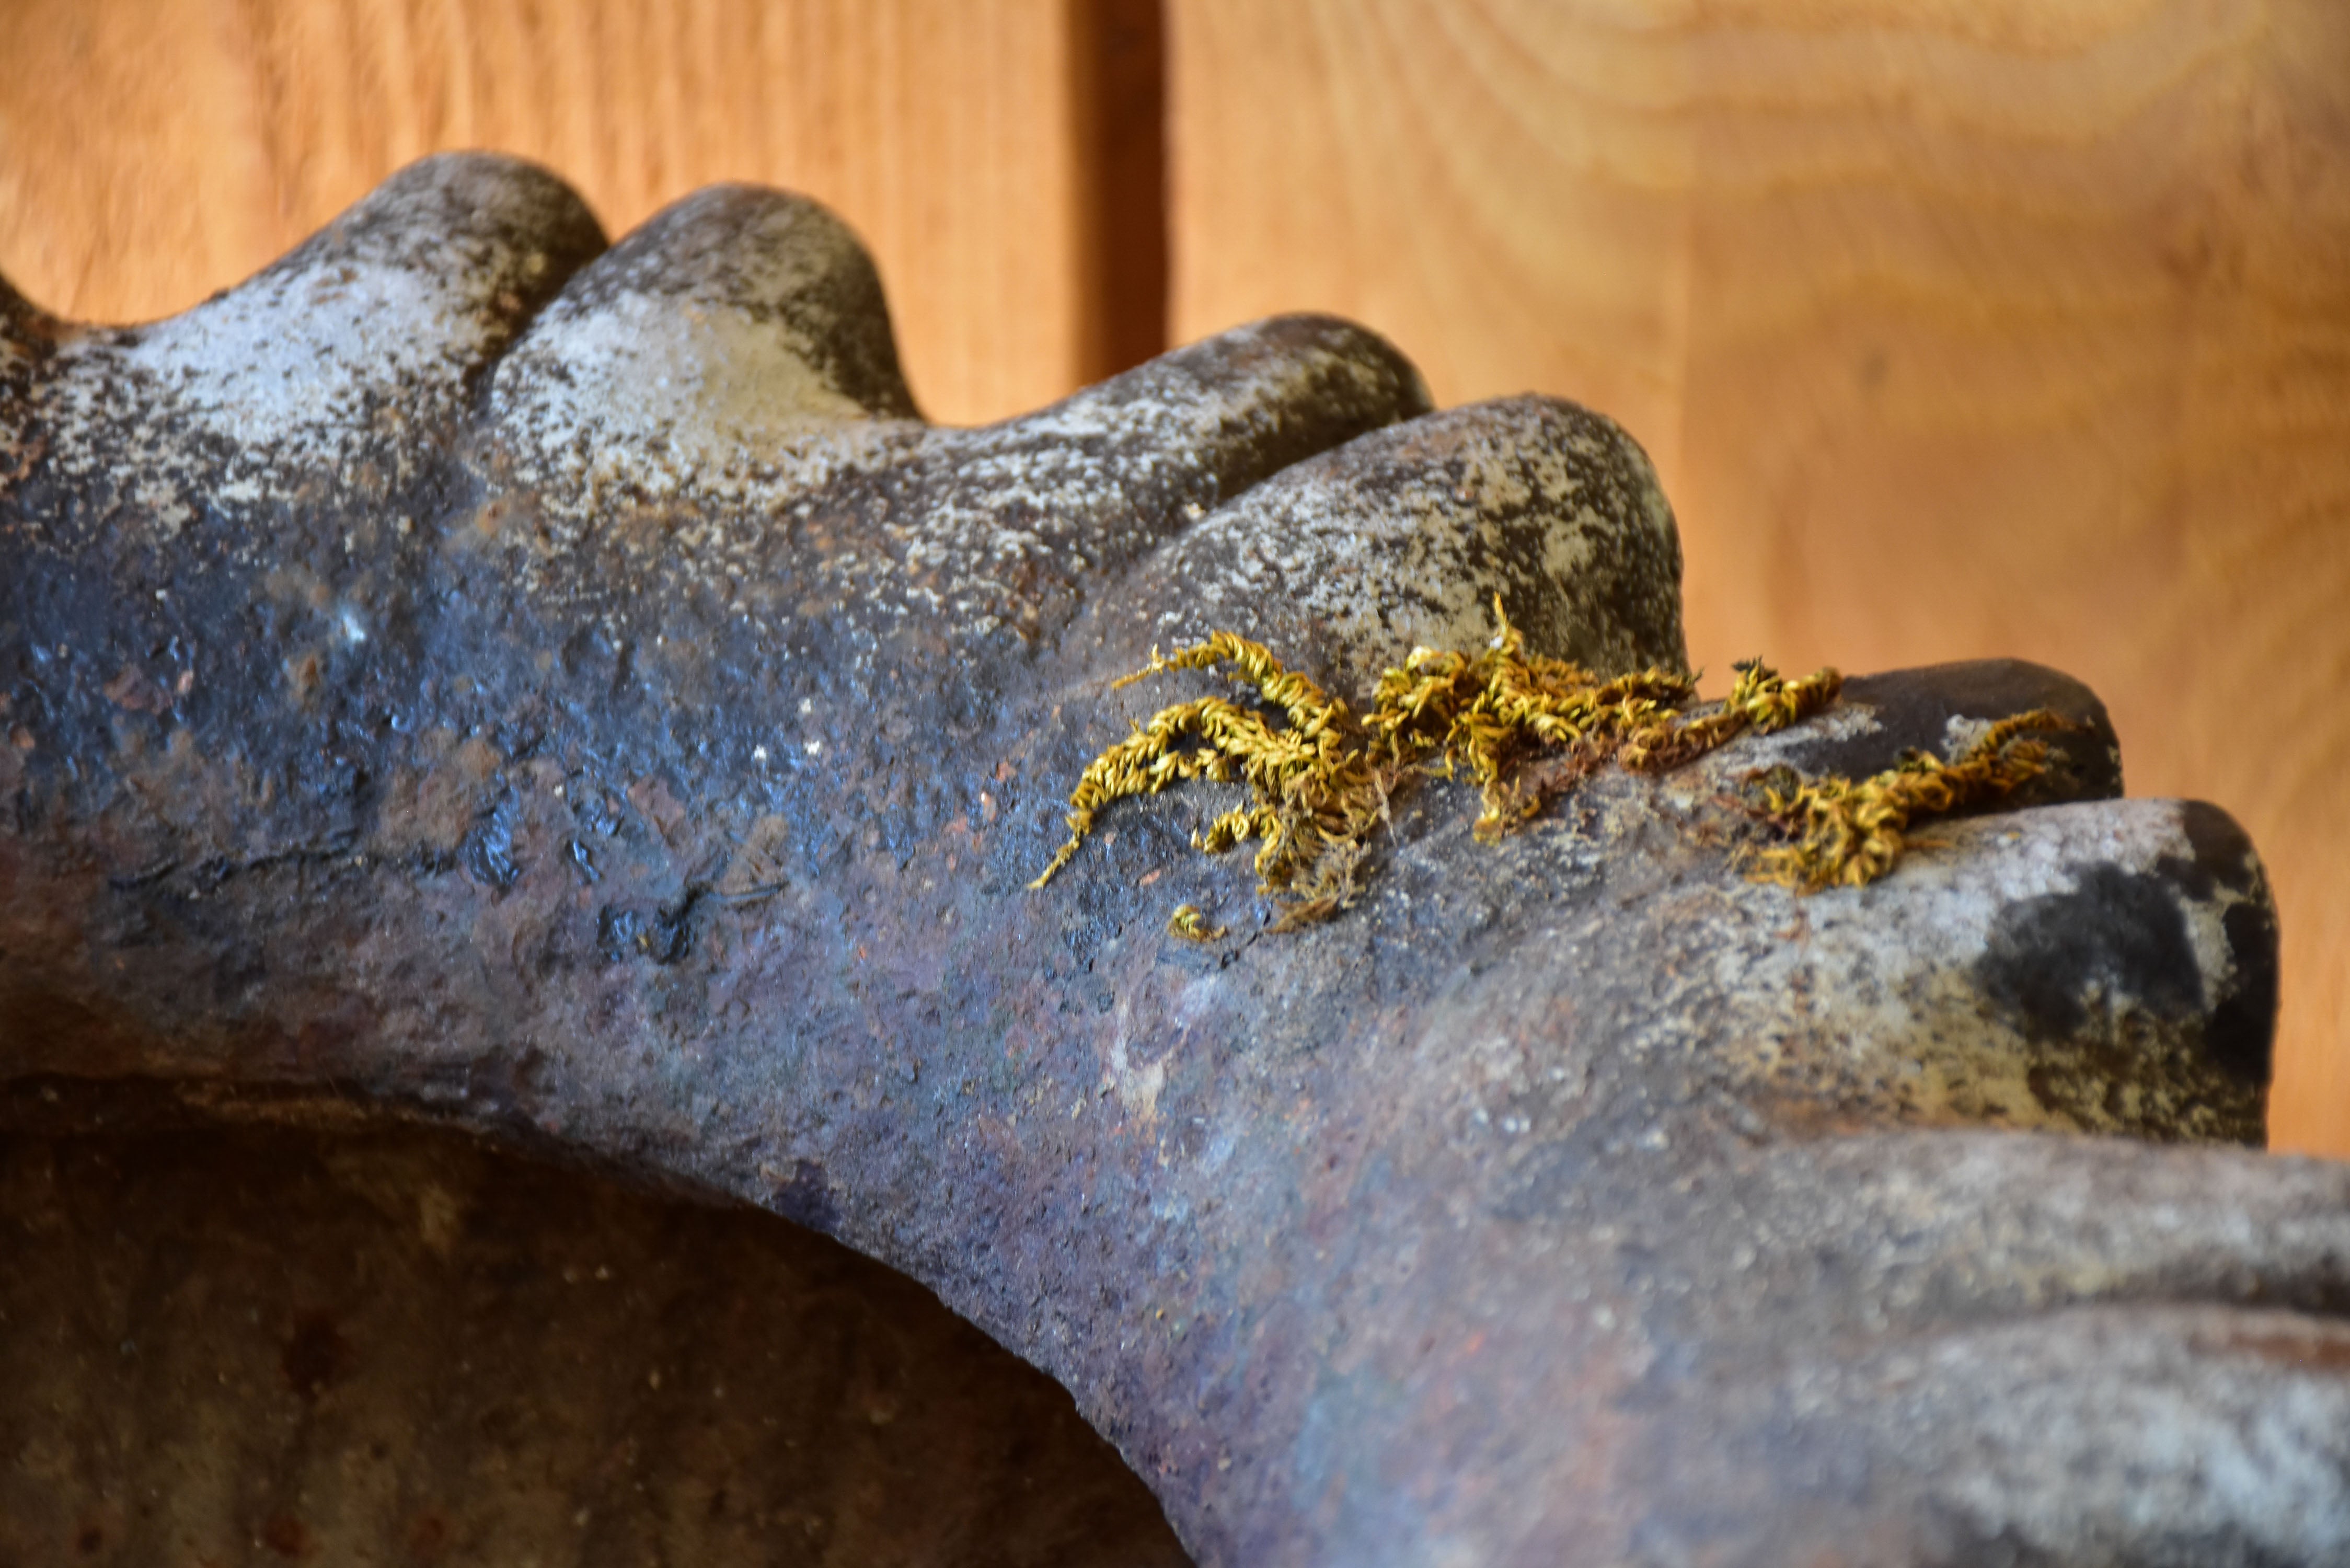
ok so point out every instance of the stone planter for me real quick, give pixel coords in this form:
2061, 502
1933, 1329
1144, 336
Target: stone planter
468, 676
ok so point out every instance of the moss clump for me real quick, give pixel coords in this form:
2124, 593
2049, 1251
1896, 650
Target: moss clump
1524, 727
1850, 831
1189, 923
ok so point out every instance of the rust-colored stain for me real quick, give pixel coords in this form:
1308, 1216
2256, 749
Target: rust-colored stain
429, 1537
286, 1535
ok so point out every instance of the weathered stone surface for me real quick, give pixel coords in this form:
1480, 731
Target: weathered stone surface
650, 773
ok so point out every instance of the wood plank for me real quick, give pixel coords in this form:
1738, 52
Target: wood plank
1956, 329
150, 153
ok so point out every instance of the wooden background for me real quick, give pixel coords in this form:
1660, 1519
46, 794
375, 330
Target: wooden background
1955, 327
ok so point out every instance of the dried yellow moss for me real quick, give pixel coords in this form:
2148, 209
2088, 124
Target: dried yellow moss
1189, 923
1524, 727
1850, 831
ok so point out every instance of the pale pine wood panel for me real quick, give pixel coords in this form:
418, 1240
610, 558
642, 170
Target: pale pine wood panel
1956, 329
150, 153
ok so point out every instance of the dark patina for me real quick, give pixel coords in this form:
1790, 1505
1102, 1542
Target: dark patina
470, 676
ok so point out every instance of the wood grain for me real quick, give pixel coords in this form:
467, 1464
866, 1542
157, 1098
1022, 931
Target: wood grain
1956, 329
152, 152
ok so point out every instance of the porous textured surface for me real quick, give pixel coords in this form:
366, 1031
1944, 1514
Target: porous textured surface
616, 727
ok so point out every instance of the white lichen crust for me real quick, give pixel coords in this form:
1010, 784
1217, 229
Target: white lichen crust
344, 366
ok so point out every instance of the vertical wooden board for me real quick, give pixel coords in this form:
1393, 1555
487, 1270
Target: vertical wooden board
1494, 187
1955, 330
152, 152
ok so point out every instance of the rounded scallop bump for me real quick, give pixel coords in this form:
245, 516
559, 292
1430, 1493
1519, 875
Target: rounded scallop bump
498, 234
1011, 522
2073, 966
782, 261
1404, 537
734, 348
1182, 433
738, 307
346, 361
1943, 709
398, 300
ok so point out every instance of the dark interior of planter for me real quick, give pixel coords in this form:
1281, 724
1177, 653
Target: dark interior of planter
398, 1347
